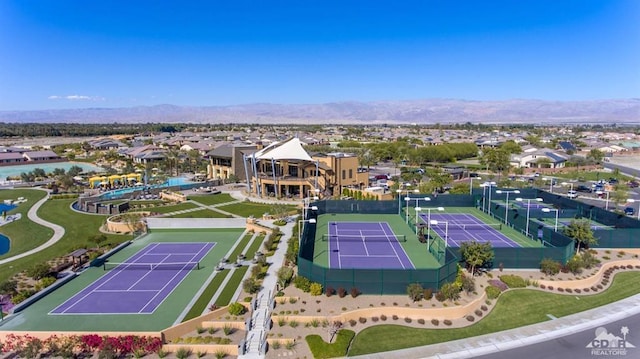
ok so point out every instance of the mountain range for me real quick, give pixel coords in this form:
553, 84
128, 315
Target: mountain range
428, 111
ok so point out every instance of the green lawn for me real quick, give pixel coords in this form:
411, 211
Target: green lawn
338, 348
514, 309
240, 247
212, 199
590, 176
251, 252
246, 209
231, 287
78, 227
201, 304
23, 233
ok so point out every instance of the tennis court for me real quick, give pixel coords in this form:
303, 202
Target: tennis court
456, 228
365, 245
141, 283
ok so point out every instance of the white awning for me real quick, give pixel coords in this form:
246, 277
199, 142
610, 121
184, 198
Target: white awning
288, 150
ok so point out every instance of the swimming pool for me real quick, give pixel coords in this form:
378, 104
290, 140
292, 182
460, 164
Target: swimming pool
5, 244
15, 171
171, 182
6, 207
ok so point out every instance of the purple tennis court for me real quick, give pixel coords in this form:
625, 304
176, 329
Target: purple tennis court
365, 245
139, 285
456, 228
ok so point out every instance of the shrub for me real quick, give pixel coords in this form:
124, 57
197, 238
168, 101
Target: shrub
374, 319
275, 344
329, 291
421, 321
302, 283
211, 330
362, 320
293, 300
282, 321
394, 317
435, 322
569, 290
450, 291
383, 317
200, 330
251, 285
237, 309
550, 287
542, 286
293, 324
561, 290
589, 260
355, 292
47, 281
492, 292
471, 318
440, 297
228, 330
315, 289
352, 322
550, 267
468, 284
342, 292
513, 281
574, 265
498, 284
220, 354
428, 294
407, 320
447, 322
183, 353
415, 291
484, 308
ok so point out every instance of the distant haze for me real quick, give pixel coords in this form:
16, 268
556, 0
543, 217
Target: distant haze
430, 111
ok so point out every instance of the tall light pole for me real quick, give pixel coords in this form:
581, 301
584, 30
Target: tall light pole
446, 230
506, 204
305, 209
301, 227
606, 204
528, 208
471, 184
400, 191
490, 185
428, 223
550, 179
407, 199
548, 210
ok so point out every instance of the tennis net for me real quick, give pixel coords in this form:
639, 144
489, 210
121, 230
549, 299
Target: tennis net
364, 238
152, 266
469, 226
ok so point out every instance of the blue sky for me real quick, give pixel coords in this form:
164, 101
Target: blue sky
75, 54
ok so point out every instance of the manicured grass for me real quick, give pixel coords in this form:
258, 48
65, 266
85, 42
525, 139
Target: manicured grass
23, 233
78, 228
591, 175
338, 348
169, 209
514, 309
254, 246
201, 304
212, 199
240, 247
202, 213
231, 287
246, 209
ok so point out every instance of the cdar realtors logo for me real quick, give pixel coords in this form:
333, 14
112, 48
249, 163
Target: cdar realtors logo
606, 343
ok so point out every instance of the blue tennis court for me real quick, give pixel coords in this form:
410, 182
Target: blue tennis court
140, 284
456, 228
370, 245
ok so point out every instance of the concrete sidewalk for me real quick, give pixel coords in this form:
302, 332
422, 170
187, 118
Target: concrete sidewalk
518, 337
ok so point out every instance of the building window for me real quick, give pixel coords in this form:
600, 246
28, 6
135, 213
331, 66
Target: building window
350, 173
344, 173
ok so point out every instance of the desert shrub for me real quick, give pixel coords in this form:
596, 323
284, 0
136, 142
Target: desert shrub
450, 291
407, 320
447, 322
415, 291
499, 284
374, 319
394, 317
550, 267
228, 330
484, 308
435, 322
293, 324
355, 292
329, 291
561, 290
342, 292
550, 287
276, 345
574, 265
440, 297
428, 294
362, 320
183, 353
513, 281
251, 285
542, 286
302, 283
314, 323
569, 290
470, 318
352, 322
589, 260
315, 289
468, 284
237, 309
421, 321
383, 317
492, 292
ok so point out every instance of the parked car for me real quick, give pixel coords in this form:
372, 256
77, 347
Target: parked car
572, 194
583, 188
629, 211
633, 184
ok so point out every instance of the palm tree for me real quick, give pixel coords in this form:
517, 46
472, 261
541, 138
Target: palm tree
624, 331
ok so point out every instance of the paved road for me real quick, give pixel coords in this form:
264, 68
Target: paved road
575, 345
58, 231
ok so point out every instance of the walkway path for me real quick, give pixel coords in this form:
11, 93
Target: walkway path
261, 316
58, 231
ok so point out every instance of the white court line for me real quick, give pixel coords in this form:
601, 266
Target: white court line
364, 244
392, 246
372, 255
123, 291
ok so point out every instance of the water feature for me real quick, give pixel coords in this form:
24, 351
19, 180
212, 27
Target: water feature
15, 171
5, 244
